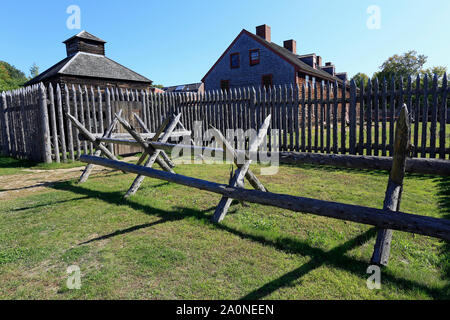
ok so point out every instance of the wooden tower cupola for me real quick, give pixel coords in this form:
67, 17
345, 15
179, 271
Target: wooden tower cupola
85, 42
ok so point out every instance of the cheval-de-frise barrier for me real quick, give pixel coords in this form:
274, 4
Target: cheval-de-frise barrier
155, 147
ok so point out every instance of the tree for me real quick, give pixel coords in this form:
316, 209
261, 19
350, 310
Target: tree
159, 86
34, 70
10, 77
430, 72
360, 78
408, 64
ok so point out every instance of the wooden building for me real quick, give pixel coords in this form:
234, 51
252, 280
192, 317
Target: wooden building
87, 64
254, 60
192, 87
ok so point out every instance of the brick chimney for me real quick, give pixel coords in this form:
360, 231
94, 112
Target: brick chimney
291, 45
319, 61
264, 32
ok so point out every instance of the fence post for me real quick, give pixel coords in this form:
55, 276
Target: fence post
395, 185
352, 116
62, 135
251, 107
46, 151
4, 124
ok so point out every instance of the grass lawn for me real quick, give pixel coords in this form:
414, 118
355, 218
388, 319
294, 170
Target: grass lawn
160, 244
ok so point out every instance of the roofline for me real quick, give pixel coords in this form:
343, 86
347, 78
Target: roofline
261, 41
255, 37
78, 36
58, 73
307, 55
90, 77
187, 84
223, 54
151, 81
33, 81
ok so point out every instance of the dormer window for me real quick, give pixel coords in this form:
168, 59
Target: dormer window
254, 57
234, 61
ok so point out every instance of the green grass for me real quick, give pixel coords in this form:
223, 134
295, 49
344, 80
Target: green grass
160, 244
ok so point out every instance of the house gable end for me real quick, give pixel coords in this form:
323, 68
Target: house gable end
248, 74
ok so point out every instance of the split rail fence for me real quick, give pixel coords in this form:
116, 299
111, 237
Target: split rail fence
387, 219
329, 118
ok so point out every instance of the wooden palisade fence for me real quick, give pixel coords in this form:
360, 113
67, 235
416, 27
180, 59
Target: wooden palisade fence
328, 119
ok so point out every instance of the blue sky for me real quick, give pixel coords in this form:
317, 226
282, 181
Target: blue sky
176, 42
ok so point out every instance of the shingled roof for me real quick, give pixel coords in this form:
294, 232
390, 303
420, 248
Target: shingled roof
85, 35
287, 55
85, 64
184, 87
295, 59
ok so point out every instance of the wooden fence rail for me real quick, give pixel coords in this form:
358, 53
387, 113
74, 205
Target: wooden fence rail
328, 118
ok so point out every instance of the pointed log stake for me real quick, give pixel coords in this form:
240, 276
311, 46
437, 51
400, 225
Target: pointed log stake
241, 172
395, 185
90, 137
147, 147
152, 158
87, 171
155, 138
250, 176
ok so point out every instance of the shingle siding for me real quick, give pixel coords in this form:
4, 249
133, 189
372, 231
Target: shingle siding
246, 75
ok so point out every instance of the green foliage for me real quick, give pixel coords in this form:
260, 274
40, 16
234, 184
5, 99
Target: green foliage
408, 64
360, 78
440, 71
34, 70
10, 77
159, 86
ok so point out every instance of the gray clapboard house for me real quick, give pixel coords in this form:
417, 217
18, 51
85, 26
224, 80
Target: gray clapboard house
253, 60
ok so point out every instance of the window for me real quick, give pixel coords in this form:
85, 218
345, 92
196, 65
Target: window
254, 57
267, 80
234, 61
225, 84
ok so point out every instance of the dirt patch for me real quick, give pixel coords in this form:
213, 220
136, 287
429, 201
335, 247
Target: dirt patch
21, 185
37, 181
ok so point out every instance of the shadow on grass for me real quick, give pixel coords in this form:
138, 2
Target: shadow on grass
444, 205
371, 172
47, 204
8, 162
335, 258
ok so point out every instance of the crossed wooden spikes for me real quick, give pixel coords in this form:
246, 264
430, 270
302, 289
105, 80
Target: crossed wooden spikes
162, 135
243, 169
100, 148
154, 155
